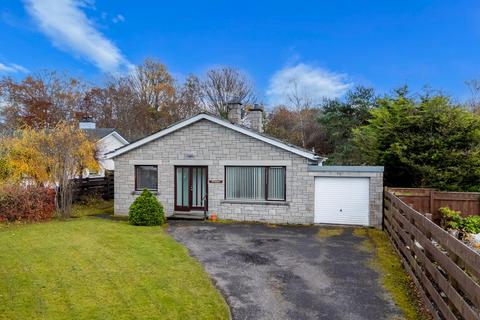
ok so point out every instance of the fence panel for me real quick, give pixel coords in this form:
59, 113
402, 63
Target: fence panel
101, 186
445, 270
428, 201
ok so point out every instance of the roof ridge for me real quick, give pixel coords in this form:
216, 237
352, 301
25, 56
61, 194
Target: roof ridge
221, 121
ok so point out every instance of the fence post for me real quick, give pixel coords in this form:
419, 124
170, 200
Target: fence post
432, 202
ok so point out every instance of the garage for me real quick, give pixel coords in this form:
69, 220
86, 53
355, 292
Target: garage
342, 200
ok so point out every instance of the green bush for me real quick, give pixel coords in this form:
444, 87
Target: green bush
146, 210
471, 224
450, 218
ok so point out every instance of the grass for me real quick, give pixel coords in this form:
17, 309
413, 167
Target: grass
393, 277
90, 268
329, 232
92, 206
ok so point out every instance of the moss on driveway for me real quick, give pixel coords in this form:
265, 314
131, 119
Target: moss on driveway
91, 268
392, 275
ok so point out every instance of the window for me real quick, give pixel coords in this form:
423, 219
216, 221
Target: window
255, 183
146, 177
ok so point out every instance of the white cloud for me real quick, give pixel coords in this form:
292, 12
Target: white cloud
315, 82
12, 68
69, 28
118, 18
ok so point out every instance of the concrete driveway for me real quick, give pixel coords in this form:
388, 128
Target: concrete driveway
285, 272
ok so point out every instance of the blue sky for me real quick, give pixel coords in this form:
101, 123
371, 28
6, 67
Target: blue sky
327, 46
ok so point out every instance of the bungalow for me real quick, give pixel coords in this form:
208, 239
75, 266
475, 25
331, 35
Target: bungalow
205, 163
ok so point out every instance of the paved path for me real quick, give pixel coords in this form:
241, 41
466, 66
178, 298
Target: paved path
287, 272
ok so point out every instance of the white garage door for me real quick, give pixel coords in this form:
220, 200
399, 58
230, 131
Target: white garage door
341, 200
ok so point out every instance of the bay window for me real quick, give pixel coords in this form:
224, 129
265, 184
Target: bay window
255, 183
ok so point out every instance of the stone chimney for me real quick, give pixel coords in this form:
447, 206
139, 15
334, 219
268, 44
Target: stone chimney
255, 117
234, 108
87, 123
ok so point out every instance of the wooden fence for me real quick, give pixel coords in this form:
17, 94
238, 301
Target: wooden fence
101, 187
428, 201
445, 270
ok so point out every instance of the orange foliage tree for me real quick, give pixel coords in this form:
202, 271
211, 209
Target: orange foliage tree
50, 157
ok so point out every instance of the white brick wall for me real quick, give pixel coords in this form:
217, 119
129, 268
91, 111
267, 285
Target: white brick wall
214, 145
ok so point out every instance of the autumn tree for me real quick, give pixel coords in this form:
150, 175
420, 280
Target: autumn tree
221, 85
141, 103
41, 100
116, 105
153, 84
50, 157
286, 124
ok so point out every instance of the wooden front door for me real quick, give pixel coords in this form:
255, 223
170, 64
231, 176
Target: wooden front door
191, 188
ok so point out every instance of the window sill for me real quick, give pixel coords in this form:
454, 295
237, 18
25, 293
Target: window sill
137, 192
261, 202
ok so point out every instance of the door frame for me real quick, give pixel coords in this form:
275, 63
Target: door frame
190, 189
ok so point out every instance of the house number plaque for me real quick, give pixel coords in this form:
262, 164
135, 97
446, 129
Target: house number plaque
215, 181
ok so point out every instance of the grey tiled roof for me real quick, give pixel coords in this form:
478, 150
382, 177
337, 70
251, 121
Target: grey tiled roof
99, 133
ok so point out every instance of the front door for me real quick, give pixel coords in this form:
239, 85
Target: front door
190, 188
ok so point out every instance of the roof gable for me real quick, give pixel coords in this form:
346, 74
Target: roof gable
101, 133
117, 136
204, 116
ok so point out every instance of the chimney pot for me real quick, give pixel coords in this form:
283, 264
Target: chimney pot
234, 108
255, 117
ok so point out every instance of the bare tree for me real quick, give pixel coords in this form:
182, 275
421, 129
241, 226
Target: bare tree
302, 103
189, 98
474, 102
223, 85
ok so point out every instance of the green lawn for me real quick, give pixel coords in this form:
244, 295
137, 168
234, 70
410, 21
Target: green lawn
91, 207
89, 268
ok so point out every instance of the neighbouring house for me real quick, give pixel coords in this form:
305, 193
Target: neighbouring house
206, 163
107, 140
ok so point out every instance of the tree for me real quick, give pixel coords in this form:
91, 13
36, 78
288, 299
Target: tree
116, 105
296, 121
153, 84
50, 157
340, 117
223, 85
189, 98
302, 103
41, 100
473, 103
144, 102
424, 142
283, 123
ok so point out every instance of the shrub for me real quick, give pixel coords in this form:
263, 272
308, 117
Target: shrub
26, 203
146, 210
450, 218
471, 224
